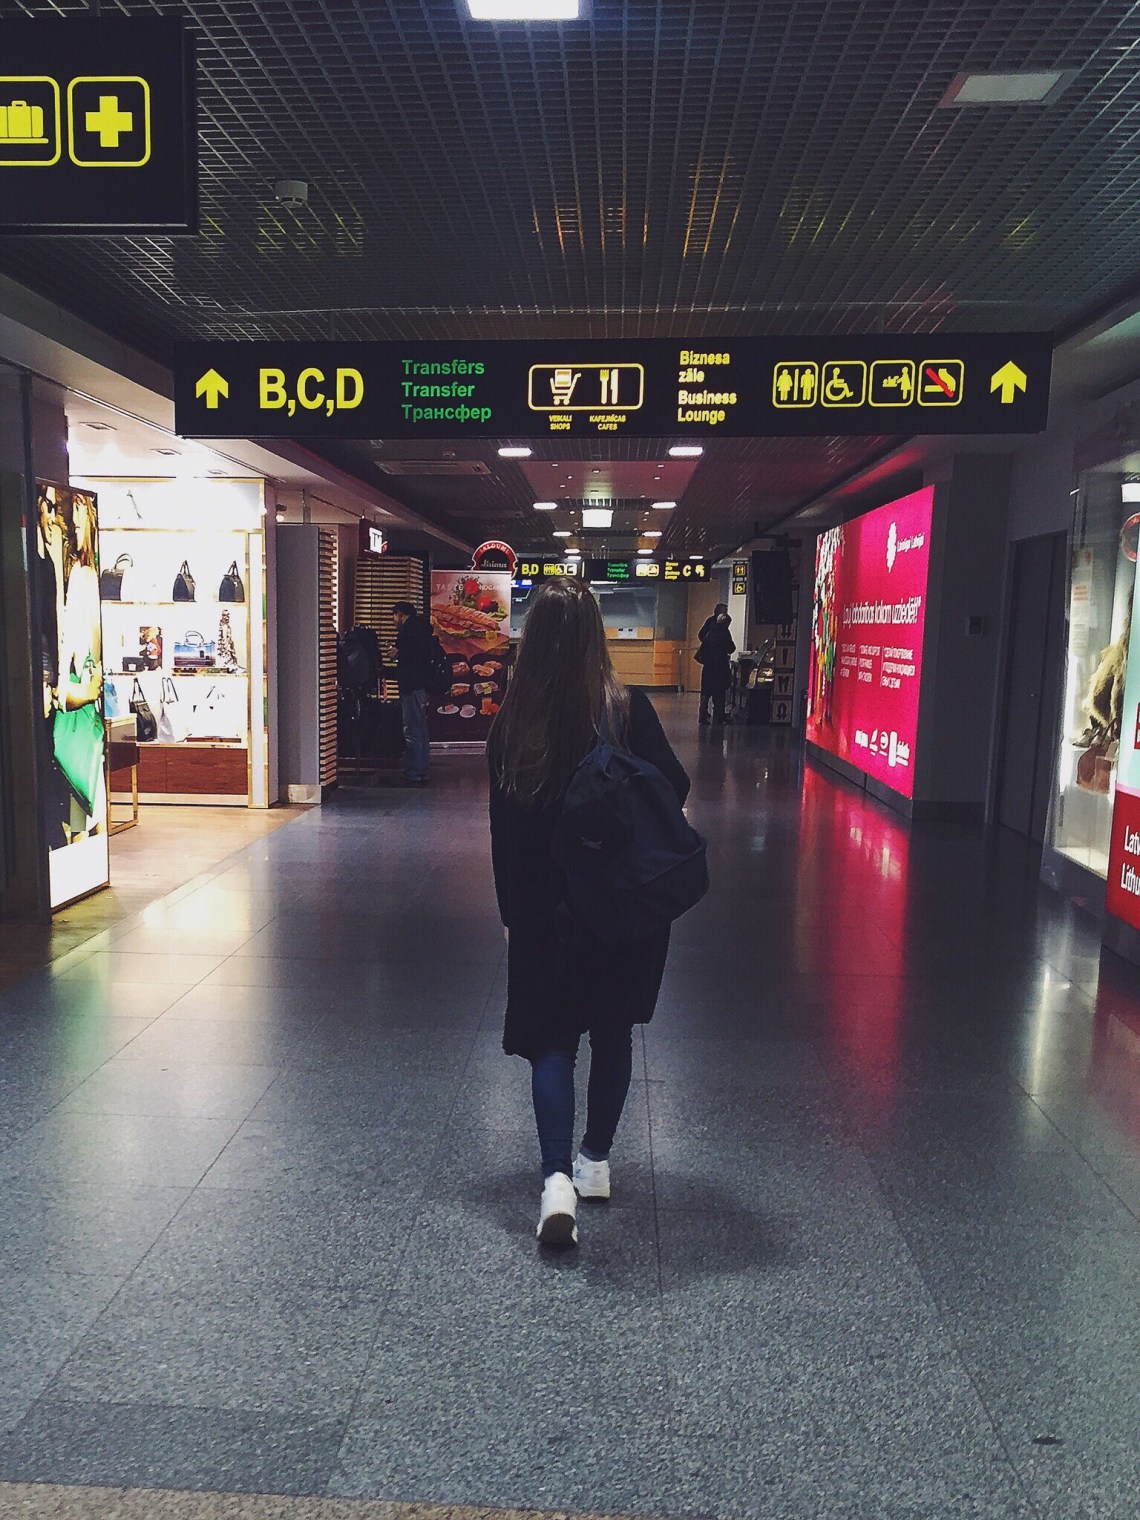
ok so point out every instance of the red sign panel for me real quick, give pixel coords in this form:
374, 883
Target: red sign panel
868, 618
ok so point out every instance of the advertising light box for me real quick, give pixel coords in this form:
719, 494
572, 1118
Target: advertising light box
1122, 895
868, 619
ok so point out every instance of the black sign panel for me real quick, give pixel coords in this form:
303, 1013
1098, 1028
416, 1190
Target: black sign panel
656, 388
97, 125
624, 572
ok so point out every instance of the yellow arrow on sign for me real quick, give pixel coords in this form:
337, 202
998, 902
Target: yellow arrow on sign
212, 386
1008, 379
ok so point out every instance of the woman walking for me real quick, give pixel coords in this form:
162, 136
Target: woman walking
561, 983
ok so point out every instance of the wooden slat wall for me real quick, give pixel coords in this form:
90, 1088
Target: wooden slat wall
327, 604
379, 584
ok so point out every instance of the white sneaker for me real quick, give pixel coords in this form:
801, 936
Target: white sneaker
591, 1178
556, 1222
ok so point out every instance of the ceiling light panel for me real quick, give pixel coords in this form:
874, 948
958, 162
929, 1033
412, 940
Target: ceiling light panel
597, 517
1008, 89
524, 10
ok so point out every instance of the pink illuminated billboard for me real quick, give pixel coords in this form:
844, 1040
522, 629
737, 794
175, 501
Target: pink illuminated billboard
868, 617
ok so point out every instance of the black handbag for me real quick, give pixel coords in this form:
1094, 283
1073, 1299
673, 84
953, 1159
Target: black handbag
184, 584
111, 581
231, 589
146, 724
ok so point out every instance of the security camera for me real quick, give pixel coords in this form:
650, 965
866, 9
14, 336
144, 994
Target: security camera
292, 192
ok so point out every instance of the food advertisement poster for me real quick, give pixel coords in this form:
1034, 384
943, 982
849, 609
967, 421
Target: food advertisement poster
73, 793
868, 619
471, 614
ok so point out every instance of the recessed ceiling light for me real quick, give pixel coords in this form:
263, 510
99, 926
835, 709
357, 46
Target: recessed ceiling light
645, 551
651, 533
696, 556
573, 554
168, 453
664, 506
686, 451
1014, 89
597, 517
524, 10
512, 453
101, 427
546, 506
563, 533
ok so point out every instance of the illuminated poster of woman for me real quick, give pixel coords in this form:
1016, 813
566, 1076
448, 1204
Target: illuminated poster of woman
74, 792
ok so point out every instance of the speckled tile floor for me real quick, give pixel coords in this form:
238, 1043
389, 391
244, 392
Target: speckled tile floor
268, 1185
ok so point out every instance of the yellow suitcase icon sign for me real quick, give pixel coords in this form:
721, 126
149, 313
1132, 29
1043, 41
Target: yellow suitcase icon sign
21, 123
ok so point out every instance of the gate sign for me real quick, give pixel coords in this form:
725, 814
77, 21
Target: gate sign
600, 388
97, 125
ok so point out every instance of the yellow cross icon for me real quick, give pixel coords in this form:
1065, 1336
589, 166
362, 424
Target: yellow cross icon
108, 123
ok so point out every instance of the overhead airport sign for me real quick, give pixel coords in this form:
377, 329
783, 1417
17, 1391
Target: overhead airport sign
655, 388
98, 126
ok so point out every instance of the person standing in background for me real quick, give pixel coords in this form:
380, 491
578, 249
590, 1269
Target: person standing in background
413, 654
715, 657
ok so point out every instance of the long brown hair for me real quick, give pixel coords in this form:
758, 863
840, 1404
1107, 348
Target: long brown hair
563, 684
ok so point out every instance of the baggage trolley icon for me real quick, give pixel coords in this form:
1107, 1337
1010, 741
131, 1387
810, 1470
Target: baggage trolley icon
562, 384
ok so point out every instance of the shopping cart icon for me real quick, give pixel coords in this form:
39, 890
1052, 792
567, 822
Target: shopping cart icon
562, 384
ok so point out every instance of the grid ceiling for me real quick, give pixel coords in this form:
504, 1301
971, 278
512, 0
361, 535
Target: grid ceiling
664, 168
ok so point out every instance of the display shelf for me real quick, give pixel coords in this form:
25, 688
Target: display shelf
181, 675
114, 601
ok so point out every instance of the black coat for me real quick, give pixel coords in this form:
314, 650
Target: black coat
716, 648
413, 654
557, 989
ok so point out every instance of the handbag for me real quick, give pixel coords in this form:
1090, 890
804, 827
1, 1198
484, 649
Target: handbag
174, 717
146, 725
112, 700
231, 589
184, 584
191, 652
219, 714
111, 581
78, 739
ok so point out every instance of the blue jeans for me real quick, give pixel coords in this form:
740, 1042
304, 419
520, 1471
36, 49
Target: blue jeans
552, 1087
413, 706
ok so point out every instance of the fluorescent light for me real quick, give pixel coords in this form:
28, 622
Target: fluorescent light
524, 10
597, 517
645, 551
513, 453
696, 556
664, 506
652, 533
686, 451
546, 506
573, 554
563, 533
1012, 89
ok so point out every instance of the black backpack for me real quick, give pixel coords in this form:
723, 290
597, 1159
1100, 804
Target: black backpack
439, 682
358, 659
632, 862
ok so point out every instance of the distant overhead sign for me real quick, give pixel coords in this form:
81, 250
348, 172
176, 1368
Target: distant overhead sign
97, 125
656, 388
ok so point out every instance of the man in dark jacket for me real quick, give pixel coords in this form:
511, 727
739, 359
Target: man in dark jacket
715, 656
413, 676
